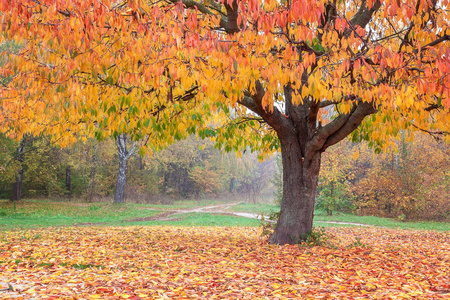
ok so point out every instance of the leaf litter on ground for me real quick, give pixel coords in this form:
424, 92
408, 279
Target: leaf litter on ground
222, 263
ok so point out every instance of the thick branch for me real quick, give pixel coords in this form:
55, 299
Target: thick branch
248, 102
203, 9
326, 103
363, 109
433, 107
323, 133
199, 6
438, 41
232, 16
132, 151
274, 118
364, 14
312, 117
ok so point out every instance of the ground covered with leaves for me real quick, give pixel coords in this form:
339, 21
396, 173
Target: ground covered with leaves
221, 263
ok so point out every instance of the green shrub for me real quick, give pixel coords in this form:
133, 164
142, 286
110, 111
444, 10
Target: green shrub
333, 197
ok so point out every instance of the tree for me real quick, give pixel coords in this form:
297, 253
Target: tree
365, 58
383, 66
253, 178
334, 180
92, 186
17, 186
124, 156
410, 183
77, 99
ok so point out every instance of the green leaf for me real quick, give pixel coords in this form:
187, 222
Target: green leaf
61, 88
318, 47
141, 151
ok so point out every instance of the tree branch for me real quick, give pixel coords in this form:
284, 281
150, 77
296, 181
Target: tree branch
323, 133
326, 103
274, 118
364, 14
202, 8
132, 151
355, 119
438, 41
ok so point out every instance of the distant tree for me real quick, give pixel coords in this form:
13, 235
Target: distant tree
277, 180
124, 156
411, 182
18, 183
8, 165
336, 172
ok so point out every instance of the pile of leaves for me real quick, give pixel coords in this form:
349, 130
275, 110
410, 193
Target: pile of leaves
221, 263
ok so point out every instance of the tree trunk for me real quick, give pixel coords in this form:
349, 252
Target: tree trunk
68, 181
91, 188
17, 186
16, 194
119, 196
141, 163
124, 156
299, 192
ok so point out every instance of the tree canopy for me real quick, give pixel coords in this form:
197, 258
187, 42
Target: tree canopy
109, 66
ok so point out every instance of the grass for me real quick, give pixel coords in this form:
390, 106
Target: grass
377, 221
31, 213
320, 217
45, 213
263, 208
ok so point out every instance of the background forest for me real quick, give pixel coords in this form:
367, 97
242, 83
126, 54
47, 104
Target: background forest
412, 182
88, 171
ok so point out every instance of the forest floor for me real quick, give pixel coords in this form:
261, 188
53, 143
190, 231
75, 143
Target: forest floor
56, 250
173, 262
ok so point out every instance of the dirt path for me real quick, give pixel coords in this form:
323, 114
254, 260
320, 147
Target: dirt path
222, 209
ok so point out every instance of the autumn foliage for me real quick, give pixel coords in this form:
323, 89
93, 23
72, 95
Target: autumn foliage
101, 68
409, 182
222, 263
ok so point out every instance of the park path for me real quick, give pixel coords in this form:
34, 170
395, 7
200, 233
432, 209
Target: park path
225, 210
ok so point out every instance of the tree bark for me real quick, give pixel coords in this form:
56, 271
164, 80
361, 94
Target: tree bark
17, 186
299, 193
68, 181
124, 157
16, 194
91, 188
119, 196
